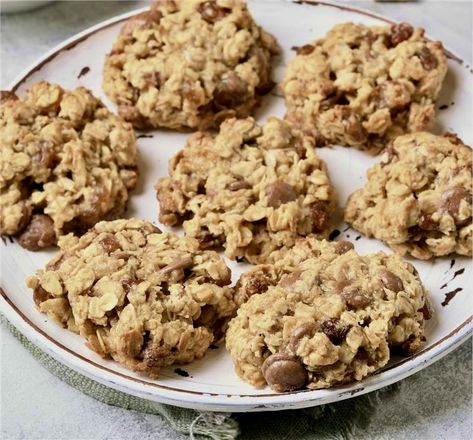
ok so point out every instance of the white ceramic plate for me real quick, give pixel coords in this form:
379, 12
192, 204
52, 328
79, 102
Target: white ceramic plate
212, 384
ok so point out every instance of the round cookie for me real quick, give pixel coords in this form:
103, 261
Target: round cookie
363, 86
324, 316
144, 298
418, 199
189, 64
251, 189
66, 163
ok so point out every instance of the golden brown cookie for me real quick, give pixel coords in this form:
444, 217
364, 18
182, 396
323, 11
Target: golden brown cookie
66, 162
251, 189
322, 315
362, 86
418, 199
144, 298
189, 64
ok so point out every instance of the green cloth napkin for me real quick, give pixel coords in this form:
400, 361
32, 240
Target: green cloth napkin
337, 421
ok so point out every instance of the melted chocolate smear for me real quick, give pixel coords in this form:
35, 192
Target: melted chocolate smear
450, 295
213, 347
346, 229
84, 71
334, 234
358, 237
452, 263
141, 136
443, 107
182, 373
456, 273
10, 239
3, 239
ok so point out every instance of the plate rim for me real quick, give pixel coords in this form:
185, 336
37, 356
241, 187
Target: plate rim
198, 399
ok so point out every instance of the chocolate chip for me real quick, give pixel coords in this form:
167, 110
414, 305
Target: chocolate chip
426, 223
427, 58
343, 246
230, 92
156, 356
390, 280
110, 243
211, 12
399, 33
284, 372
451, 198
335, 330
319, 216
38, 234
427, 311
289, 279
305, 329
40, 295
279, 193
256, 284
352, 296
207, 240
304, 50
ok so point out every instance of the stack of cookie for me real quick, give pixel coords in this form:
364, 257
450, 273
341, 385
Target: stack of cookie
312, 313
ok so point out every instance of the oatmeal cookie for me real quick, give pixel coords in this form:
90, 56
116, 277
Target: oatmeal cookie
189, 64
324, 316
363, 86
251, 189
66, 162
144, 298
418, 199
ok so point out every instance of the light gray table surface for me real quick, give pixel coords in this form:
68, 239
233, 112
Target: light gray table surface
34, 404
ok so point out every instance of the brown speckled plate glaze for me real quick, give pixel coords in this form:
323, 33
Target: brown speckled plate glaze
210, 383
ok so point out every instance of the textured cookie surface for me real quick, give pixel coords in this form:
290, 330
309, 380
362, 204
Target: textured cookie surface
363, 86
147, 299
66, 162
189, 64
323, 315
418, 199
251, 189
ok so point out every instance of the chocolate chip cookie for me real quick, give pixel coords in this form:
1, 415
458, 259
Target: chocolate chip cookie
66, 162
322, 315
144, 298
189, 64
251, 189
363, 86
418, 199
